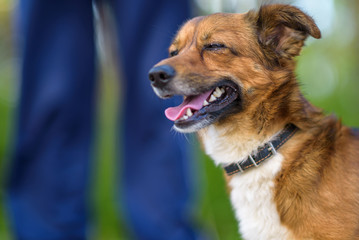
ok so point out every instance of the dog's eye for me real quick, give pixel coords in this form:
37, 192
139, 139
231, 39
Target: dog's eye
174, 53
214, 46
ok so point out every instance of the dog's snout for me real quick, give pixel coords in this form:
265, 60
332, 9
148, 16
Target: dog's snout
161, 75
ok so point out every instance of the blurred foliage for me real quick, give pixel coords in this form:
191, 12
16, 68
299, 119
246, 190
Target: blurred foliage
327, 69
7, 101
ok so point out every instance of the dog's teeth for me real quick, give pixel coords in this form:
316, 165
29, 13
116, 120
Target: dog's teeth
222, 90
217, 94
189, 112
205, 103
212, 98
185, 117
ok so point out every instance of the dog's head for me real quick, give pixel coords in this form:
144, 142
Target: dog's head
228, 65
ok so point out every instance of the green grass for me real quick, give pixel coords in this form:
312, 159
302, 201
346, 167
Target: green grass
8, 97
6, 125
106, 218
217, 212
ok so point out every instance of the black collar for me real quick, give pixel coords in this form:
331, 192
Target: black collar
264, 153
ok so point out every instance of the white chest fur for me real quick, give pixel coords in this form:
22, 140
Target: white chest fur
252, 191
252, 199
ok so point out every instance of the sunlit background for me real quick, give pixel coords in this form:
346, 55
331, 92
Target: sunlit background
328, 71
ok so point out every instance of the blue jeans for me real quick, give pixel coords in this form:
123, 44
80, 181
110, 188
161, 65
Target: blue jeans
49, 175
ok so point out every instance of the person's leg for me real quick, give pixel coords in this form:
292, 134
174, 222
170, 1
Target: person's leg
156, 179
48, 175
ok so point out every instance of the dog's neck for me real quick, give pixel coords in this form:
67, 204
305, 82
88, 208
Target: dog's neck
227, 145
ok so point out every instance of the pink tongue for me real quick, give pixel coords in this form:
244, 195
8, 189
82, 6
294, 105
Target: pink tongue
195, 103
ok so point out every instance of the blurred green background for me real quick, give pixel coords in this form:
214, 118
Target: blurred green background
328, 71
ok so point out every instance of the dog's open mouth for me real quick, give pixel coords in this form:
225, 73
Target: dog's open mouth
206, 106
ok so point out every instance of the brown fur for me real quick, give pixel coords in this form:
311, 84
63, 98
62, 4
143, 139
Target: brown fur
317, 190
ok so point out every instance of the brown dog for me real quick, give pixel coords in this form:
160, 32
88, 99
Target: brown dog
294, 172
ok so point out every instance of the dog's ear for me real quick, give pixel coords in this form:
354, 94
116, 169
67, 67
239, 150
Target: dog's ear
282, 29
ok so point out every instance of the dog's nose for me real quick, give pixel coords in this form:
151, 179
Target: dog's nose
161, 75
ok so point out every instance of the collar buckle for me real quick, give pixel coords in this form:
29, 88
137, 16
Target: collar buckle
252, 160
239, 167
271, 148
